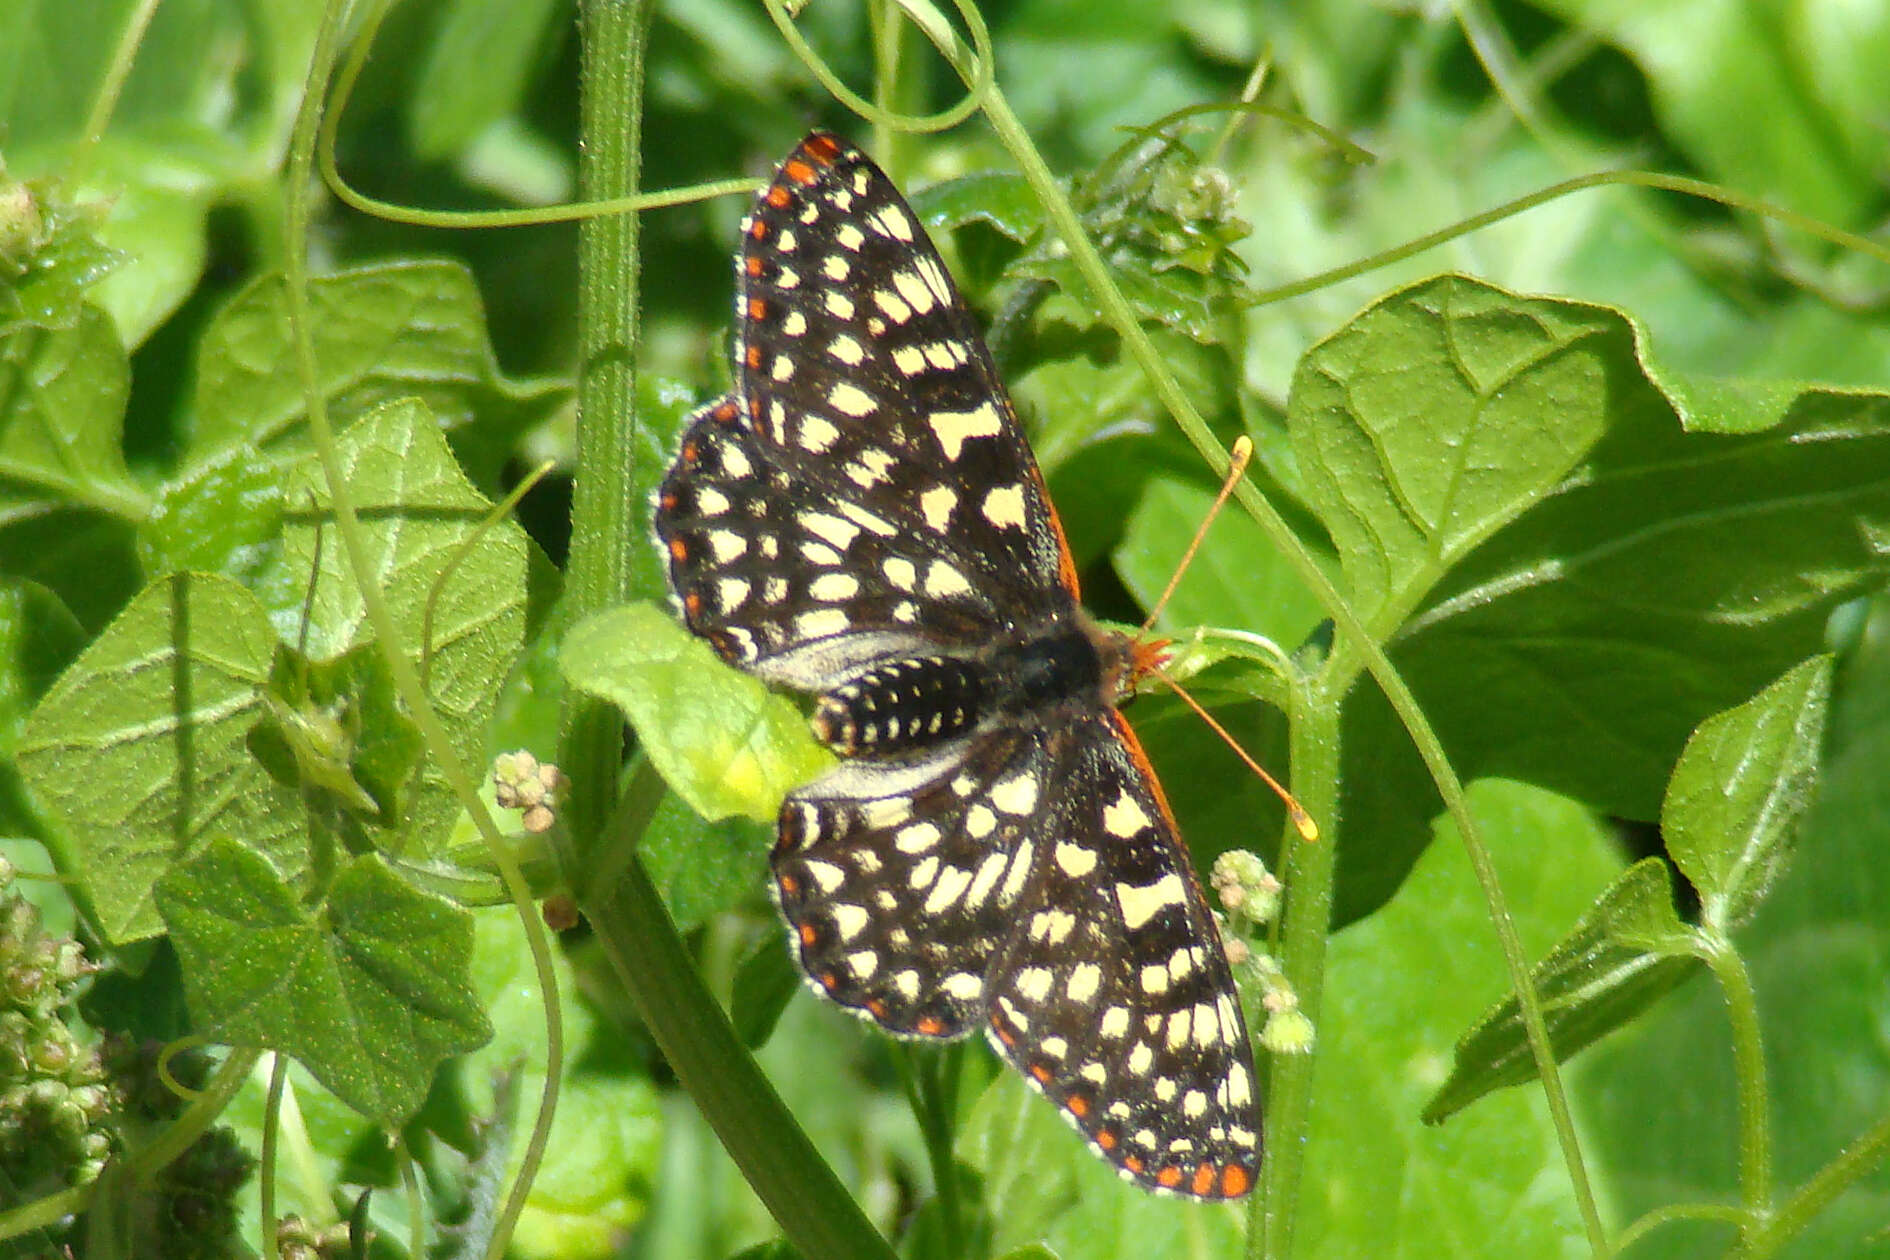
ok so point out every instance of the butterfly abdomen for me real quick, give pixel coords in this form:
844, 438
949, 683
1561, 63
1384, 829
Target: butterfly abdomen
917, 701
901, 705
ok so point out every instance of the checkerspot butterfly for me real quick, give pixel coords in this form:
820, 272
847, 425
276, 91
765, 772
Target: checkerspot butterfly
862, 519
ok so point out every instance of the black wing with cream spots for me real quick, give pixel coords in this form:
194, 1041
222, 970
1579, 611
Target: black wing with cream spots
900, 881
1112, 995
862, 382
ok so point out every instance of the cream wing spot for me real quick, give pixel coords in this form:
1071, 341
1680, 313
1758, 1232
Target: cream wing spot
919, 294
834, 587
1016, 795
954, 428
1004, 507
901, 572
1125, 818
937, 505
943, 581
818, 433
849, 399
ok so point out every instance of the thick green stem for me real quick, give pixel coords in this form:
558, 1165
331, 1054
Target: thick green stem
755, 1127
1309, 872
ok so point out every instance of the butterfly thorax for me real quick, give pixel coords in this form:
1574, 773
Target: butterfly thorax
911, 702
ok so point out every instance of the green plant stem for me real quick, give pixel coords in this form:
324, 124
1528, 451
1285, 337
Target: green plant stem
1310, 868
266, 1170
607, 509
112, 85
1852, 1165
755, 1127
1755, 1129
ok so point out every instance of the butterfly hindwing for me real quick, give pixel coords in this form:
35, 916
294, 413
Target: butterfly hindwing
899, 881
1113, 995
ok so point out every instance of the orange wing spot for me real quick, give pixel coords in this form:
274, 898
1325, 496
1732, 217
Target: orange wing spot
1235, 1181
778, 196
1041, 1072
757, 229
930, 1025
1203, 1179
822, 148
877, 1007
678, 550
808, 934
668, 500
1005, 1035
1078, 1105
752, 264
690, 452
692, 604
726, 411
829, 981
753, 358
1169, 1177
789, 885
1133, 1163
798, 171
757, 309
1106, 1138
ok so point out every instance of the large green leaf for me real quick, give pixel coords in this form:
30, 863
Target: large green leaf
392, 330
369, 990
138, 751
1543, 596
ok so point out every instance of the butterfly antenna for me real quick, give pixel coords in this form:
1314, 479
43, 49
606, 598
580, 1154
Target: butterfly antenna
1236, 466
1301, 820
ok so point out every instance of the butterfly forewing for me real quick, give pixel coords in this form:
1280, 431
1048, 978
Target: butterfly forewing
857, 357
862, 518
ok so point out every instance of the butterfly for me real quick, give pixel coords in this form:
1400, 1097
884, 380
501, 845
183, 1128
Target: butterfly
861, 519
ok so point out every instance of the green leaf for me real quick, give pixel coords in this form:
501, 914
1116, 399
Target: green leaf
137, 752
51, 257
1237, 579
369, 992
223, 516
1739, 789
416, 512
606, 1144
62, 405
1627, 952
720, 739
1437, 416
392, 330
1399, 987
337, 727
38, 638
702, 868
475, 69
1742, 90
1669, 575
1002, 201
765, 980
